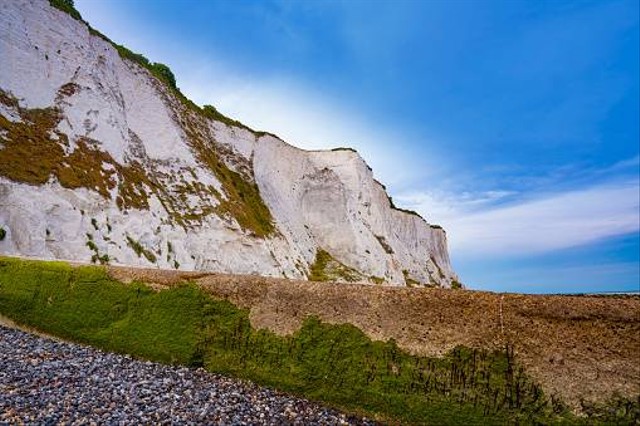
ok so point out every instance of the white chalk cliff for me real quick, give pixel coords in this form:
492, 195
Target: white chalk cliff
102, 160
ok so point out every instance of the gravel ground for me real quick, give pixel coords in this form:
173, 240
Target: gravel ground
44, 381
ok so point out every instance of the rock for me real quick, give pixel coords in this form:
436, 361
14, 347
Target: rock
80, 400
133, 132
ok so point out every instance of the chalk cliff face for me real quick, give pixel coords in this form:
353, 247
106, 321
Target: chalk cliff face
102, 159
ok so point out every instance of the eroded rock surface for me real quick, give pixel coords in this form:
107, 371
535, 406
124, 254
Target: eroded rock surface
101, 160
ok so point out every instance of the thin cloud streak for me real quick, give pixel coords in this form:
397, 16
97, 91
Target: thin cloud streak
540, 225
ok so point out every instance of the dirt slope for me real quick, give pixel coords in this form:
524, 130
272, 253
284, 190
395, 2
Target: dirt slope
578, 347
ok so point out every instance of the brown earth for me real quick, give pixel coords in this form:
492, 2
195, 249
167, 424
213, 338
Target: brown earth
577, 347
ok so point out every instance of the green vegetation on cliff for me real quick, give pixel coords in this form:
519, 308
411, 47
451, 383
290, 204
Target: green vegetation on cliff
326, 268
66, 6
37, 137
336, 364
88, 166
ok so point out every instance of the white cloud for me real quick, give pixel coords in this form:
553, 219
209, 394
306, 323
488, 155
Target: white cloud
476, 226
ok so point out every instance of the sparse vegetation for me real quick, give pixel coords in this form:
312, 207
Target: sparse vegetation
84, 166
141, 250
66, 6
89, 167
456, 285
342, 148
211, 112
377, 280
394, 207
94, 222
161, 71
336, 364
243, 201
96, 257
383, 242
410, 282
92, 246
326, 268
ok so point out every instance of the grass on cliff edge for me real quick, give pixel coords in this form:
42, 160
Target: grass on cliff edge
336, 364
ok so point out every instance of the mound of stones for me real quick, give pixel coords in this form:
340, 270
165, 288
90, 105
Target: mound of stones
45, 381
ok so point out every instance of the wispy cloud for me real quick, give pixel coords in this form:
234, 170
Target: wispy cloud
536, 225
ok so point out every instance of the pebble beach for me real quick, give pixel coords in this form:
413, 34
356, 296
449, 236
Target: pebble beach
45, 381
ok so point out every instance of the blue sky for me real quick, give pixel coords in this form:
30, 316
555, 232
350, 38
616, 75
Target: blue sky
514, 124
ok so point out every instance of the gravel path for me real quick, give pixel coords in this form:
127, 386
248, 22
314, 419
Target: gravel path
49, 382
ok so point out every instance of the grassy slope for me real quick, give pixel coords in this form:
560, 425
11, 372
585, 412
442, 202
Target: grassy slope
336, 364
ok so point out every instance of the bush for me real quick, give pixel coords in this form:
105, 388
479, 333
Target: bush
326, 268
456, 285
141, 250
212, 112
66, 6
164, 73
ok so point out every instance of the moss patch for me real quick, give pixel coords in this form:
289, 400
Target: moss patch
66, 6
410, 282
88, 166
326, 268
377, 280
141, 250
242, 200
36, 138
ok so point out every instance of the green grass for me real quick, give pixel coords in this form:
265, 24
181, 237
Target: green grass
85, 305
326, 268
66, 6
336, 364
